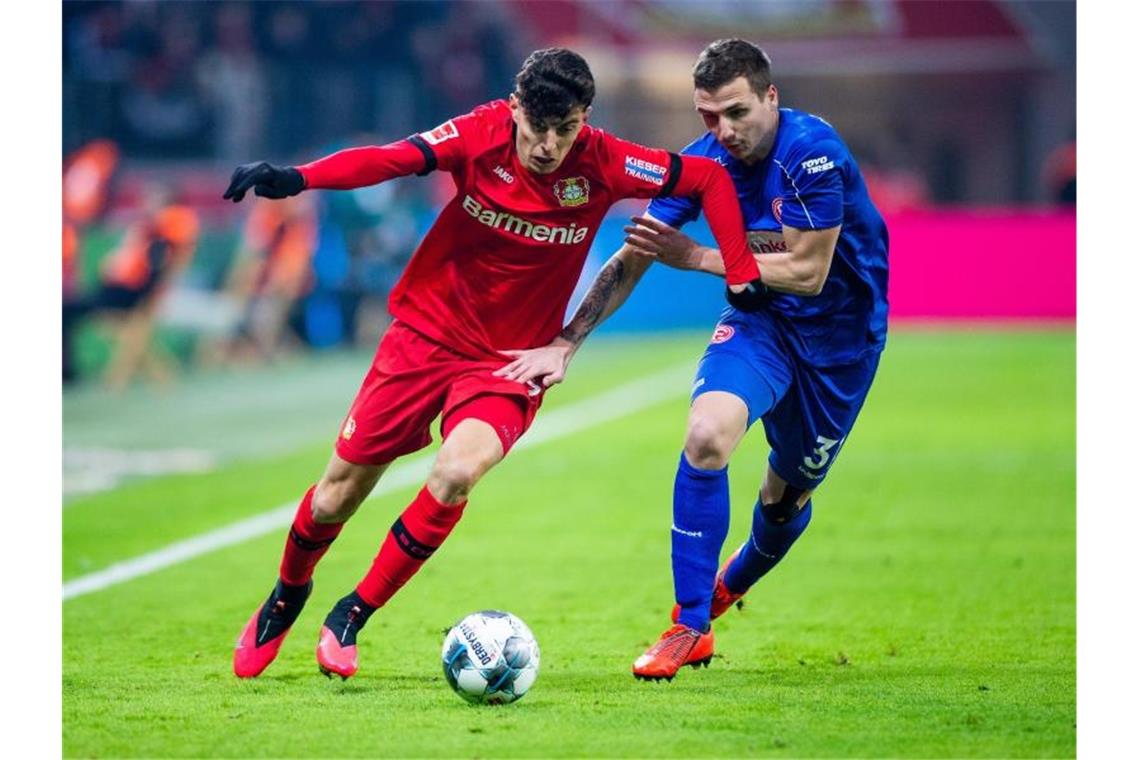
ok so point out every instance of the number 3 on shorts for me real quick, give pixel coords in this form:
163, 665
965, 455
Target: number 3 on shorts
822, 452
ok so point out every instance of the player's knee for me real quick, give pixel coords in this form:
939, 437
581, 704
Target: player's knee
780, 511
708, 445
452, 478
335, 501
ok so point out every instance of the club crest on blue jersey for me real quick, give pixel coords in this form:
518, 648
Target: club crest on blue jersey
722, 333
778, 209
572, 191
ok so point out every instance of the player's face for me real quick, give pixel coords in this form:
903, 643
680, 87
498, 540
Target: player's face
543, 147
742, 121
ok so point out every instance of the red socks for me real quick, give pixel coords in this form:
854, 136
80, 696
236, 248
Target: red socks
307, 543
414, 537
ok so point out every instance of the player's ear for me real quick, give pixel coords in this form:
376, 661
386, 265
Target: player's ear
516, 109
586, 114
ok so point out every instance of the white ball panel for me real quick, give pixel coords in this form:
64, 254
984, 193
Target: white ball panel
524, 681
472, 681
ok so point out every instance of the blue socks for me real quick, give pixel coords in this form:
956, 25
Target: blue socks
766, 545
700, 525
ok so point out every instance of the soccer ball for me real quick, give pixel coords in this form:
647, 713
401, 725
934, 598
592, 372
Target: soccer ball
490, 657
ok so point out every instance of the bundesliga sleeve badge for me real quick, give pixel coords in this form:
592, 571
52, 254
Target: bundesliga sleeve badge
445, 131
572, 191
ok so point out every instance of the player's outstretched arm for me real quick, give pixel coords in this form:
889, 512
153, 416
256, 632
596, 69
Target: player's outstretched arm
609, 290
343, 170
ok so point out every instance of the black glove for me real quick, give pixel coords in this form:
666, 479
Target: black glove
267, 181
753, 298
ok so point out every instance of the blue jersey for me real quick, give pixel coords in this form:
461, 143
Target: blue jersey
809, 181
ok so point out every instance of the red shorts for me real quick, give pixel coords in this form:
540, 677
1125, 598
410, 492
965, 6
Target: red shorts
411, 381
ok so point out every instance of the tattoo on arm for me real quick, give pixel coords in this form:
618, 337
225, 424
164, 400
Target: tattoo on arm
593, 307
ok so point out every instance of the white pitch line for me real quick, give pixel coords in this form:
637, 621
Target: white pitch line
558, 423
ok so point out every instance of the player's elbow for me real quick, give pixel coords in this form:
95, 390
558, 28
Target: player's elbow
808, 279
813, 286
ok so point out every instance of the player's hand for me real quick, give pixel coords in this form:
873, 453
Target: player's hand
267, 181
649, 237
547, 364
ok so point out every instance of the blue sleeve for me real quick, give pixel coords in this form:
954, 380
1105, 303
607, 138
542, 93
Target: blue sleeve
813, 184
675, 211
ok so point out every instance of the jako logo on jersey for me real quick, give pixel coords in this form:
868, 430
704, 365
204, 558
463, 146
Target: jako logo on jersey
504, 175
349, 428
722, 333
817, 165
443, 132
541, 233
644, 170
778, 209
572, 191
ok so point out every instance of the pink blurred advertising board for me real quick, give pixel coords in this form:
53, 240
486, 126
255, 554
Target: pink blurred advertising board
1002, 264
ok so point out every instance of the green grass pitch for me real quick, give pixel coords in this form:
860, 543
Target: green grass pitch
929, 610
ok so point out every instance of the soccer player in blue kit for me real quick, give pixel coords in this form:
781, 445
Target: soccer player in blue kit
802, 365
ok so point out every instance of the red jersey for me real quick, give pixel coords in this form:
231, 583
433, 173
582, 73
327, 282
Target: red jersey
497, 268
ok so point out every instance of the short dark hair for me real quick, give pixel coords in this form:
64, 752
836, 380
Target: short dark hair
725, 60
552, 82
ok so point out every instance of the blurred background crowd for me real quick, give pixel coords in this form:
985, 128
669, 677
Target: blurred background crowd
967, 103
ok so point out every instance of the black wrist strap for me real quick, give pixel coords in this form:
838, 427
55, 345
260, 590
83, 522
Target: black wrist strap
753, 298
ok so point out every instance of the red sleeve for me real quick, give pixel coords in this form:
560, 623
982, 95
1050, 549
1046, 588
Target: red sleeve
446, 147
642, 172
359, 167
709, 181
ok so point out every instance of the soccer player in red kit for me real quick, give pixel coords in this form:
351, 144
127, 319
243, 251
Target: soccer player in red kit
494, 273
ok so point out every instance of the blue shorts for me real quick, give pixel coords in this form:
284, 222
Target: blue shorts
808, 411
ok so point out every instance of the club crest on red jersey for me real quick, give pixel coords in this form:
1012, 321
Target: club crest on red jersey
778, 209
349, 428
443, 132
572, 191
722, 333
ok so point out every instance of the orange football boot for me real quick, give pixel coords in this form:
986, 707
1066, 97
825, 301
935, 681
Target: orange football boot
722, 597
680, 645
261, 639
